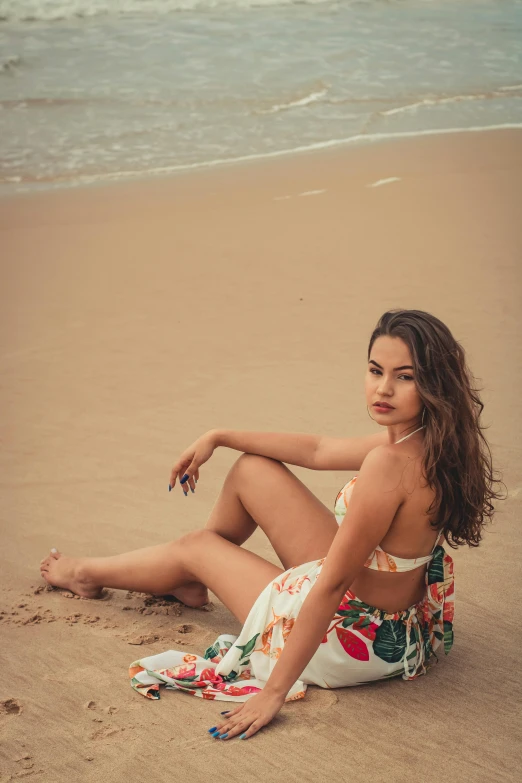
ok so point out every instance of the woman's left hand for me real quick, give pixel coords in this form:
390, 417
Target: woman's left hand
249, 717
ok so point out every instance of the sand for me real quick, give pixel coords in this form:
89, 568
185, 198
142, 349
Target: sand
136, 316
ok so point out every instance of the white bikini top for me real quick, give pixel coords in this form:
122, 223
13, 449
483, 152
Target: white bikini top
380, 560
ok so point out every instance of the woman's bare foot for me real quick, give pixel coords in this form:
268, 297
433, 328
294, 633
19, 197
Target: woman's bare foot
194, 594
69, 573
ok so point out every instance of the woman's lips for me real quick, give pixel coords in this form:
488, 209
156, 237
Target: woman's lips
383, 408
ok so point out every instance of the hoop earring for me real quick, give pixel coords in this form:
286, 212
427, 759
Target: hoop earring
423, 415
369, 414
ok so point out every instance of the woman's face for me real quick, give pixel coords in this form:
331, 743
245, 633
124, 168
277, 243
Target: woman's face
390, 380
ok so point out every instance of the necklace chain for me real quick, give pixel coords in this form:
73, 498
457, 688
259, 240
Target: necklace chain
409, 436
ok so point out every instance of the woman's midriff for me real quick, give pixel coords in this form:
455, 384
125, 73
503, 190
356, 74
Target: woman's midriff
391, 592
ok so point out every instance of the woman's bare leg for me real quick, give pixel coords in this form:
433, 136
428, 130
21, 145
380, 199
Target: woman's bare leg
235, 575
262, 492
257, 492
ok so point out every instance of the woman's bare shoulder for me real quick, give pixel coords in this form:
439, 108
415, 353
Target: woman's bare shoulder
378, 491
384, 459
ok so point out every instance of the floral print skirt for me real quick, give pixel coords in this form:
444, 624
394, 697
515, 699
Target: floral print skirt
362, 643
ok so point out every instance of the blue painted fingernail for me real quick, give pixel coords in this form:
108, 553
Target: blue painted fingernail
225, 712
170, 488
192, 490
185, 478
196, 481
214, 728
216, 735
223, 736
243, 736
185, 493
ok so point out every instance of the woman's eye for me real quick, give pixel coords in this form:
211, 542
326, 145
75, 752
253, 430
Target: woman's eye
374, 371
406, 377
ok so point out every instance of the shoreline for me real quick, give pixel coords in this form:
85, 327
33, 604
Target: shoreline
357, 141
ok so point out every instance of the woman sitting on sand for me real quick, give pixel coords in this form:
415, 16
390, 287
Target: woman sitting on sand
383, 592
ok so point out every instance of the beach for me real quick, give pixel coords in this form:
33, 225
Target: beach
134, 317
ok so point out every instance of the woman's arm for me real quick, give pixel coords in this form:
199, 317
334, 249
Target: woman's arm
293, 448
307, 451
347, 453
373, 504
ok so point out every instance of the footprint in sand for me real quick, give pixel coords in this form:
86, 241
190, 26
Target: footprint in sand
105, 732
10, 707
149, 638
26, 762
91, 705
185, 628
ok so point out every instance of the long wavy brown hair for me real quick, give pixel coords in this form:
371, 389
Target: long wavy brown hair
457, 461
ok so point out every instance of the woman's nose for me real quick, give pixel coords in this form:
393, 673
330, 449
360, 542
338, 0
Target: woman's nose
385, 386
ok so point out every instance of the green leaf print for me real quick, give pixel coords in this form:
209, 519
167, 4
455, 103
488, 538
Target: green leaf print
392, 674
448, 636
211, 652
248, 647
353, 604
426, 640
436, 567
390, 641
355, 613
362, 622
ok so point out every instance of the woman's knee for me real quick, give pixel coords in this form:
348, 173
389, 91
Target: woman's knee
247, 465
194, 539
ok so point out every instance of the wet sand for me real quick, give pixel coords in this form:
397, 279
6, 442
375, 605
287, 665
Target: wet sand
136, 316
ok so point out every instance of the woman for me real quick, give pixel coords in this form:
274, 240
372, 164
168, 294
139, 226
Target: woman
383, 592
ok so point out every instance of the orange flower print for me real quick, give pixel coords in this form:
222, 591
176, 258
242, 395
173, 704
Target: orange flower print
286, 586
384, 561
189, 658
266, 637
288, 624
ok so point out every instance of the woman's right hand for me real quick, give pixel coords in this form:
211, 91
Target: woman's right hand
191, 459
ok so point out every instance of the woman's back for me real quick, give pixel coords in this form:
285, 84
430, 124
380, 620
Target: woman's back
394, 576
411, 535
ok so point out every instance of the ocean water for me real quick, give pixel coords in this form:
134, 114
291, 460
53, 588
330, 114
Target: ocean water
101, 89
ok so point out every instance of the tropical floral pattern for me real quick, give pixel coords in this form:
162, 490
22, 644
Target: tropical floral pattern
362, 643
